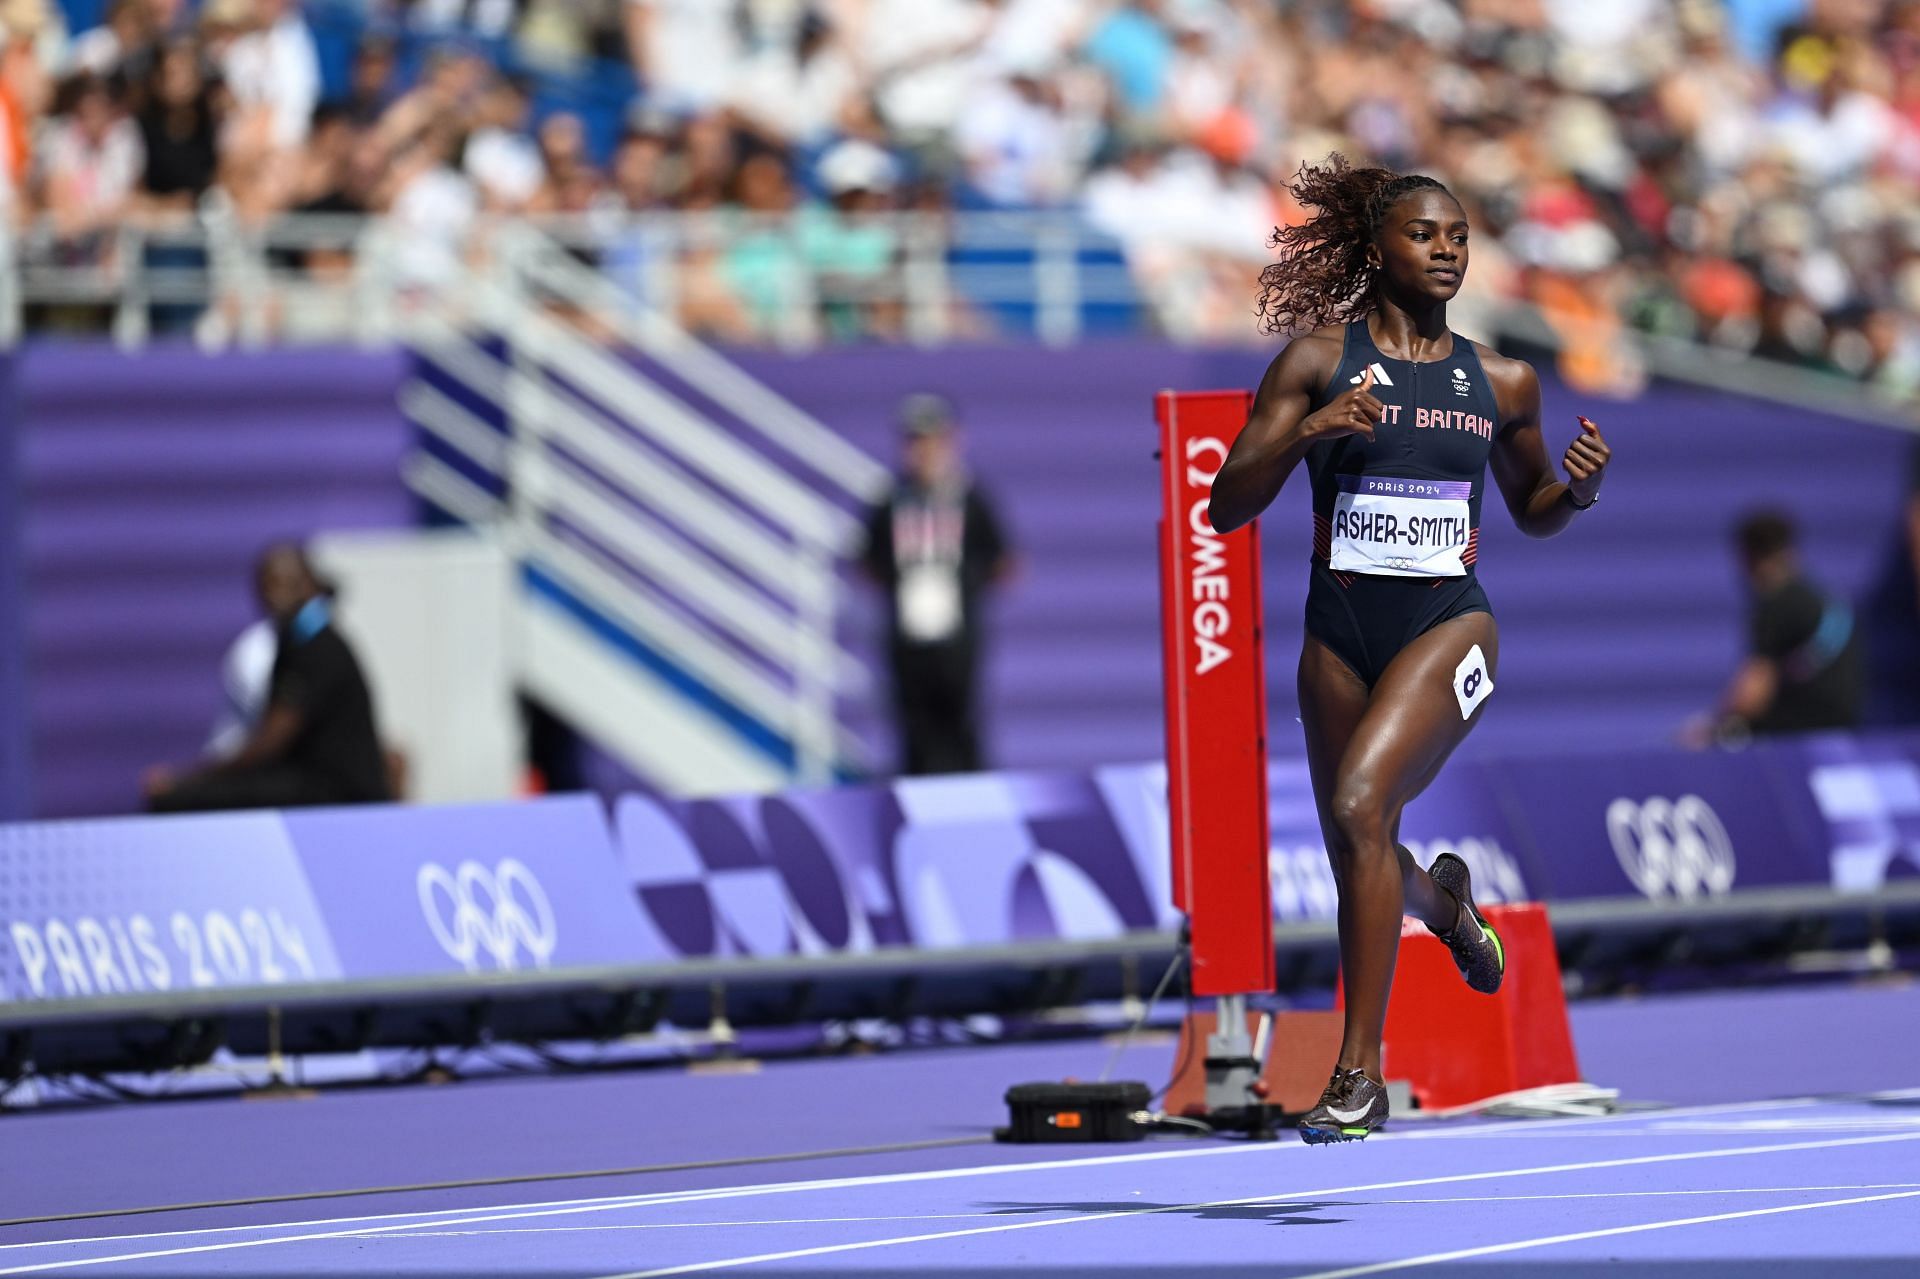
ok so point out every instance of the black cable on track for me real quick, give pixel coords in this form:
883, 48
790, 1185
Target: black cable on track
475, 1183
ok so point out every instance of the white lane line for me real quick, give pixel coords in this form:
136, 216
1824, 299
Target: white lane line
729, 1263
712, 1225
568, 1206
681, 1196
1861, 1123
1547, 1241
1278, 1202
1654, 1194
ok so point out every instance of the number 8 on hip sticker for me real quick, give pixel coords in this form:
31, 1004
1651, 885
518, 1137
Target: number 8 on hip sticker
1471, 682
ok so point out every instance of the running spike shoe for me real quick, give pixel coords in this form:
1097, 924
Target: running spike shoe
1477, 950
1350, 1108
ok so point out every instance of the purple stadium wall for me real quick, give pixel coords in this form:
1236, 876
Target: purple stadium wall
15, 740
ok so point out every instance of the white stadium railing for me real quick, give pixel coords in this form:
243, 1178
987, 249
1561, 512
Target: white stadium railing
693, 539
314, 278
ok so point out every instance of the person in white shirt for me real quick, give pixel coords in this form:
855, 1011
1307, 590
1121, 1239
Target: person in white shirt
274, 67
501, 158
91, 163
685, 51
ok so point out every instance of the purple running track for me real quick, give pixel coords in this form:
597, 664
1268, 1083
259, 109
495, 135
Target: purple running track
1819, 1186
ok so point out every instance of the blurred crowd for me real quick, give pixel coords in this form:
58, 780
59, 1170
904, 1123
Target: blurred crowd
1741, 172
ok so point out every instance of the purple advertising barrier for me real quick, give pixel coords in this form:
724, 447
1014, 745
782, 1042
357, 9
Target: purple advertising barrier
930, 862
1867, 791
487, 888
997, 858
709, 886
137, 906
1669, 824
987, 859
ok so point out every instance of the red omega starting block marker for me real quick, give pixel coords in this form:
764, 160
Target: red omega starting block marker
1216, 735
1455, 1047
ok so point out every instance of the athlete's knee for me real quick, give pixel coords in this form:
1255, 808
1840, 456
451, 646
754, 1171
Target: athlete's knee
1362, 818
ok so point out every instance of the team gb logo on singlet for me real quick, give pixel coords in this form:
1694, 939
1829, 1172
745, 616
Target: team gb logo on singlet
1460, 384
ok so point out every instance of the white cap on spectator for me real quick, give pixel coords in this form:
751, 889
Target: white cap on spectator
857, 166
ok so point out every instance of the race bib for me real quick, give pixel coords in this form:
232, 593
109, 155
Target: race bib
1471, 681
929, 604
1401, 527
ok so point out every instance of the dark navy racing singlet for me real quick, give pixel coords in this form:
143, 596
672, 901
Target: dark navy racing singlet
1406, 503
1396, 520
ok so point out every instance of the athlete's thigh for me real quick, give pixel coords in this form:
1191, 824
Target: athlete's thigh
1413, 720
1333, 701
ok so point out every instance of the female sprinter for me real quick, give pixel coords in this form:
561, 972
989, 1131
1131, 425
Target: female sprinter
1396, 419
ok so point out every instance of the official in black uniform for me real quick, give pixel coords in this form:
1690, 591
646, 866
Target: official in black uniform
1396, 418
316, 742
1803, 670
935, 544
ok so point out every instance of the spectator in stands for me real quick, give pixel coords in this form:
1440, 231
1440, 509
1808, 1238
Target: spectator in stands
119, 49
91, 167
685, 51
797, 93
315, 743
433, 207
273, 69
23, 94
569, 179
179, 128
506, 165
850, 248
924, 56
935, 544
1803, 669
370, 87
1018, 146
643, 163
762, 268
449, 88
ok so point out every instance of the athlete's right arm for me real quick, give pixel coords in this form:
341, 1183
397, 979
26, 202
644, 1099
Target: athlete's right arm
1281, 429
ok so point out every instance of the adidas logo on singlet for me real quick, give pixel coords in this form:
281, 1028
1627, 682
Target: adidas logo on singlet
1380, 377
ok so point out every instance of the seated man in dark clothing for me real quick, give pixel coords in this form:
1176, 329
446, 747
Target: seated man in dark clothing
315, 743
1803, 669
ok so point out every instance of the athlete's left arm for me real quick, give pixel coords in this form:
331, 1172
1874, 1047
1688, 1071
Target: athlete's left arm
1541, 503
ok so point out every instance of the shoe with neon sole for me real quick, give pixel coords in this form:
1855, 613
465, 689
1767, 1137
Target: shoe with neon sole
1477, 949
1350, 1108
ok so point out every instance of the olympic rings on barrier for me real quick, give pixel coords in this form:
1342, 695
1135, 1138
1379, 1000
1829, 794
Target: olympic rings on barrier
1672, 847
498, 913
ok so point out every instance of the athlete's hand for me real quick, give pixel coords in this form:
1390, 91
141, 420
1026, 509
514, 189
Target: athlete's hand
1586, 462
1354, 412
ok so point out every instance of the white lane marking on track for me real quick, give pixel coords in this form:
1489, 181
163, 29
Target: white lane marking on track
1864, 1123
1276, 1203
722, 1225
1547, 1241
1651, 1194
729, 1263
1512, 1128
